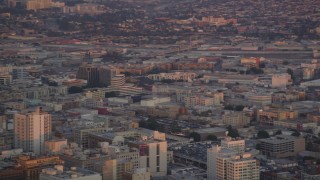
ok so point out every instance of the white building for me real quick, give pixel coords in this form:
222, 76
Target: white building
153, 153
154, 101
31, 130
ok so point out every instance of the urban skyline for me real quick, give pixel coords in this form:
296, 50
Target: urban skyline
160, 89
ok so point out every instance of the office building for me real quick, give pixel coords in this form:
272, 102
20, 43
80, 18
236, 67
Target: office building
90, 73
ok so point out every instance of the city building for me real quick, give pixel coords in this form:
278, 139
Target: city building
31, 130
225, 164
5, 80
59, 172
55, 146
237, 145
243, 167
281, 80
235, 119
81, 134
32, 166
138, 174
176, 76
282, 146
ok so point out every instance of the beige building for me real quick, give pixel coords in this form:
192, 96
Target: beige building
281, 80
268, 116
97, 94
260, 99
176, 76
243, 167
237, 145
32, 130
235, 119
55, 146
225, 164
81, 134
138, 174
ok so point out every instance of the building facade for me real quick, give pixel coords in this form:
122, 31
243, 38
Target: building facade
32, 130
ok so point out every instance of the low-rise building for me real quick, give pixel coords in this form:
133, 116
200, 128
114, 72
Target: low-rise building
282, 146
60, 173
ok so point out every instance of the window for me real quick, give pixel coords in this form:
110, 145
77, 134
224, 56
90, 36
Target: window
158, 149
158, 160
148, 165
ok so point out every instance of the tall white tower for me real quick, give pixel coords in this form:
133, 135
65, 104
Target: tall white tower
31, 130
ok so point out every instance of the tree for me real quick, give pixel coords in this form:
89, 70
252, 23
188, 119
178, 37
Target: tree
255, 70
127, 74
111, 94
75, 89
150, 124
212, 137
278, 132
258, 146
285, 62
175, 127
295, 133
196, 136
228, 107
289, 71
262, 65
239, 108
263, 134
232, 132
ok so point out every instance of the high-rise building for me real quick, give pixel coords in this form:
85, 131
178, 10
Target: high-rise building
243, 167
216, 162
31, 130
97, 76
226, 164
153, 154
90, 73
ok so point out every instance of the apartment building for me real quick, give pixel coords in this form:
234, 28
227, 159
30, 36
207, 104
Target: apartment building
32, 130
225, 164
